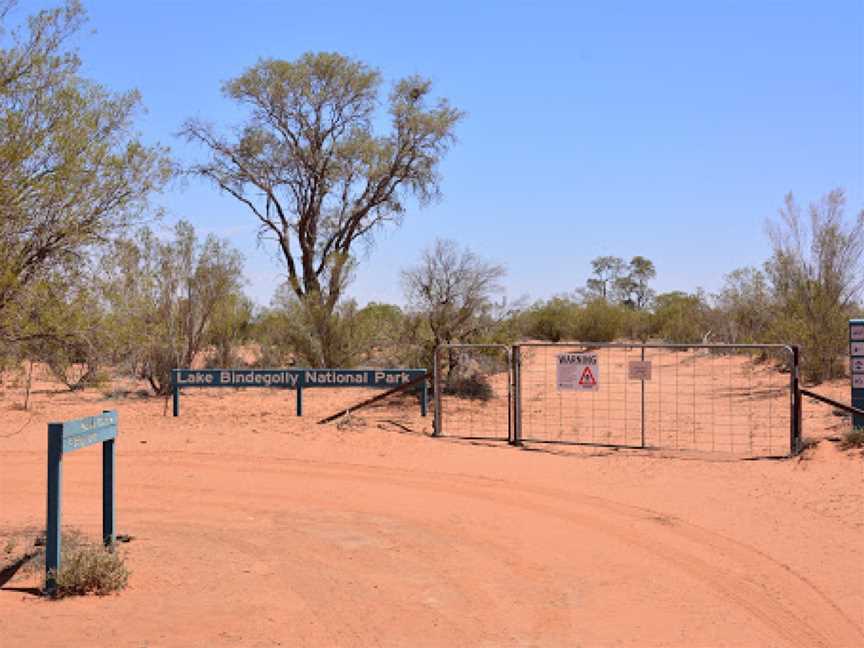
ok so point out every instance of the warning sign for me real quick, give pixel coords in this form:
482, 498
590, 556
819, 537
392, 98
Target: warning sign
858, 381
578, 371
858, 365
856, 349
856, 332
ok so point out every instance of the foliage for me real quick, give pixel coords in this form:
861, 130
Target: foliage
621, 283
311, 170
816, 273
230, 325
453, 288
91, 569
474, 386
745, 307
853, 439
71, 170
681, 317
165, 298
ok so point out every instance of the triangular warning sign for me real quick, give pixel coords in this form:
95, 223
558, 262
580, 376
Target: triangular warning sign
587, 379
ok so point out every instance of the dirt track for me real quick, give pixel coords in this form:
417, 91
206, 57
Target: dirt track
252, 528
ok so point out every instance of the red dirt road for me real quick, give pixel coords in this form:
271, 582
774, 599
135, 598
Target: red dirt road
252, 528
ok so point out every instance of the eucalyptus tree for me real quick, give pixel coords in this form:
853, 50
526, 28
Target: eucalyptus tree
310, 168
71, 170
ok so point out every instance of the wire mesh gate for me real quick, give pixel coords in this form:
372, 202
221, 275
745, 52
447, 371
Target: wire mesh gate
473, 387
737, 399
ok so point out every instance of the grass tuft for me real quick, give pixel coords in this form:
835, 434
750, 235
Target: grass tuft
91, 569
853, 439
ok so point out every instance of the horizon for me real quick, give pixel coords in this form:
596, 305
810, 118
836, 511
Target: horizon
590, 131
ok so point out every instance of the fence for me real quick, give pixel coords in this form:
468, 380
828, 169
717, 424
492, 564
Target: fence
738, 399
473, 388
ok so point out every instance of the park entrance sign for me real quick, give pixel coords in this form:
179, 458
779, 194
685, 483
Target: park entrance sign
298, 380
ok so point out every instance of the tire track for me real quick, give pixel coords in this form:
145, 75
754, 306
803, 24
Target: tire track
768, 591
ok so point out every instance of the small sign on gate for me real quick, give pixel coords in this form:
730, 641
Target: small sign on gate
578, 372
639, 370
856, 332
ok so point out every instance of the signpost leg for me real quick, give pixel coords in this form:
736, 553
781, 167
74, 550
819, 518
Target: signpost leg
424, 398
108, 530
176, 398
52, 526
299, 400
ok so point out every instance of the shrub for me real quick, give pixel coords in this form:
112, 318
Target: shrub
853, 439
474, 387
91, 568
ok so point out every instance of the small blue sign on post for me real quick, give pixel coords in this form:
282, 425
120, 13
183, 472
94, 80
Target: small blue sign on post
297, 379
66, 437
856, 368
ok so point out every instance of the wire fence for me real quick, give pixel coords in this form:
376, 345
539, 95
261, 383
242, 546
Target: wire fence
737, 399
473, 391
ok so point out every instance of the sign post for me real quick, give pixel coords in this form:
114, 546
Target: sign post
66, 437
856, 368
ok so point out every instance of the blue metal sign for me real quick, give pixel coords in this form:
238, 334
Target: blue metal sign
296, 379
66, 437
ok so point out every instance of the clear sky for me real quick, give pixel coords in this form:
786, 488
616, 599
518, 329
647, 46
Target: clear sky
666, 129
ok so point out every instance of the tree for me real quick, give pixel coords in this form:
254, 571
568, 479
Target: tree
817, 276
453, 289
607, 271
681, 317
165, 296
71, 171
309, 167
746, 307
632, 288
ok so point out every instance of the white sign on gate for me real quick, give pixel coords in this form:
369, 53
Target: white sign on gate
578, 371
856, 349
858, 365
857, 381
856, 332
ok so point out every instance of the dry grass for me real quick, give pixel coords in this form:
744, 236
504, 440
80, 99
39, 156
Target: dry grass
853, 439
86, 567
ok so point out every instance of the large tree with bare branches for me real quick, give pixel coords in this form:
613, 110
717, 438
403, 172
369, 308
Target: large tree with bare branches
310, 168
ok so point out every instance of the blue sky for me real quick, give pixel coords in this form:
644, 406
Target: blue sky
666, 129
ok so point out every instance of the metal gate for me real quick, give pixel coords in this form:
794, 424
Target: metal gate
473, 384
736, 399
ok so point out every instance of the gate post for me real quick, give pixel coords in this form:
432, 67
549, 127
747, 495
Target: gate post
516, 434
436, 392
795, 432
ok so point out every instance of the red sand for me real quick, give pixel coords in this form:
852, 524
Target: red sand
254, 528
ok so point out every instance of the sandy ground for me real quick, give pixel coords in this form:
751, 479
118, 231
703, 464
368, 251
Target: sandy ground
254, 528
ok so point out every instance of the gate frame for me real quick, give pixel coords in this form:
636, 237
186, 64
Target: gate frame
795, 444
438, 393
